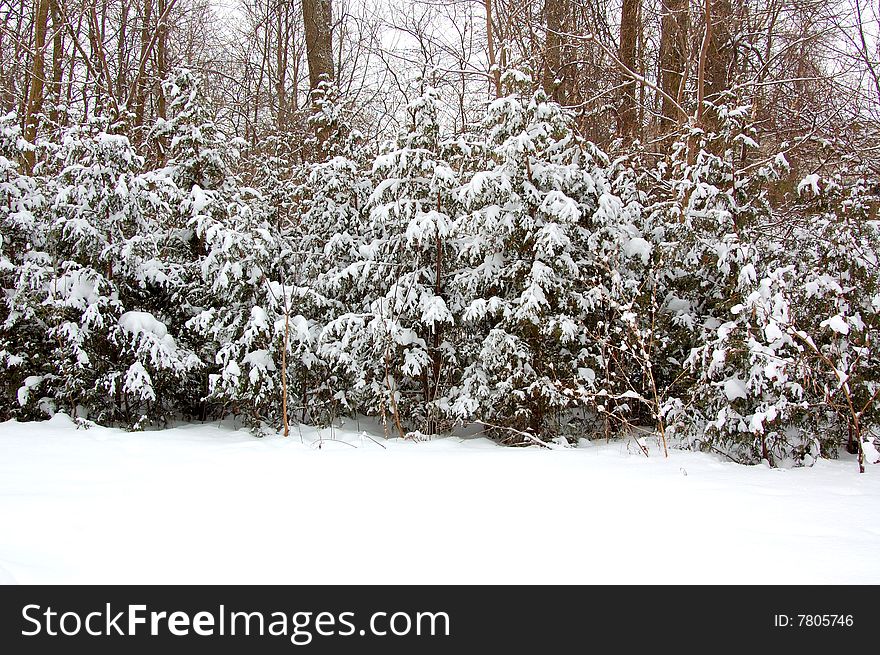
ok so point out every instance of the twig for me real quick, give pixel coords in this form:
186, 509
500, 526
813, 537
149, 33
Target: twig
364, 434
322, 440
535, 440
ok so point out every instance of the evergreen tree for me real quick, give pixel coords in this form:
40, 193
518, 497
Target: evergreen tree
22, 239
392, 345
331, 199
98, 258
237, 306
535, 221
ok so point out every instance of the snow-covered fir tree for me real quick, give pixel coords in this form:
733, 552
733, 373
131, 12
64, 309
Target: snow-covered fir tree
22, 239
393, 344
731, 301
536, 216
702, 221
89, 274
328, 229
832, 259
238, 305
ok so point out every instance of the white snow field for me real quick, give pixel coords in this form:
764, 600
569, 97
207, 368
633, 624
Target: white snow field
209, 504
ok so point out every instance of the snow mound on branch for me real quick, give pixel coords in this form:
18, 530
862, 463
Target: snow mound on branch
837, 324
734, 388
139, 322
810, 182
24, 391
638, 247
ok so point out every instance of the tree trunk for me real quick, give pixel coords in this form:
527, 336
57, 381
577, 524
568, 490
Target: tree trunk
161, 56
38, 75
57, 58
122, 52
554, 78
318, 22
674, 27
719, 59
629, 31
281, 68
490, 45
140, 91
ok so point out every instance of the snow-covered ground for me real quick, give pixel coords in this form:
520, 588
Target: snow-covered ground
209, 504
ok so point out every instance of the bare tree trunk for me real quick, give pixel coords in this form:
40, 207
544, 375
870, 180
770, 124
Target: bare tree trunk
72, 65
161, 56
701, 80
38, 76
674, 27
281, 45
122, 50
318, 22
704, 55
629, 31
719, 58
140, 92
490, 46
57, 59
554, 80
